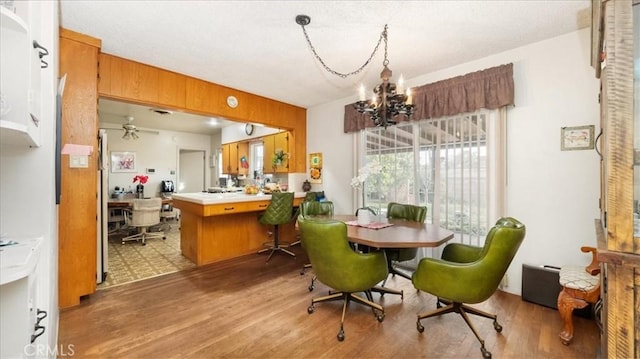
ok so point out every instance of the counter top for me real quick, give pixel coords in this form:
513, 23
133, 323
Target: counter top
205, 198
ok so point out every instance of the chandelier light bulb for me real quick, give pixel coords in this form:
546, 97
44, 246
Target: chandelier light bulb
409, 97
362, 96
400, 87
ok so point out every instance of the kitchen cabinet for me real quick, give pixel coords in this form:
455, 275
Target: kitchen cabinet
20, 77
78, 212
243, 152
230, 158
616, 23
273, 144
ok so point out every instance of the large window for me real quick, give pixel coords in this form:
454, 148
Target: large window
451, 165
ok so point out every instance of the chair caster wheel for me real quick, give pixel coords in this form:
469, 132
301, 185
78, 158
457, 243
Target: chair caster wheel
485, 353
419, 327
380, 317
144, 244
310, 309
341, 335
311, 288
497, 327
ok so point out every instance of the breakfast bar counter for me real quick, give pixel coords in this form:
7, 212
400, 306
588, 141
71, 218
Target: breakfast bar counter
220, 226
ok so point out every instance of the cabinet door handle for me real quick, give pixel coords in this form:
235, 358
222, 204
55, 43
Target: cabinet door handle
262, 205
229, 209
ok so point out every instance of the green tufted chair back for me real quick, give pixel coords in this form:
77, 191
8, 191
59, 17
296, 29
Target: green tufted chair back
310, 209
406, 211
333, 260
469, 274
410, 213
279, 210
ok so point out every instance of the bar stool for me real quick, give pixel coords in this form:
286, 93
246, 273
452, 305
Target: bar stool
279, 211
580, 287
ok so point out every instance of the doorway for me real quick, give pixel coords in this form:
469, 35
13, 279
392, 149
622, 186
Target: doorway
191, 172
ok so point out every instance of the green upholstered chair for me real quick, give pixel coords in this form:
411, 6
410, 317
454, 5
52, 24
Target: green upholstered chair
279, 211
309, 197
406, 212
467, 274
339, 267
310, 209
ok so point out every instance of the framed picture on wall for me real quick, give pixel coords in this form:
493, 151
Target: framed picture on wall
315, 167
577, 138
123, 162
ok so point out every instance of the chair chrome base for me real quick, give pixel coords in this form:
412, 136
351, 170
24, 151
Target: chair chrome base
275, 246
462, 309
273, 249
346, 298
143, 235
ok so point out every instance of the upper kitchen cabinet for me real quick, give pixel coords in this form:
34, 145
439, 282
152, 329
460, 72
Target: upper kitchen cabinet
20, 61
277, 154
125, 79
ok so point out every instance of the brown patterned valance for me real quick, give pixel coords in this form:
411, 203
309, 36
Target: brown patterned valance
490, 89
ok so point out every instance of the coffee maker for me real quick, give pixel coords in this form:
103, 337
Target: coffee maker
167, 188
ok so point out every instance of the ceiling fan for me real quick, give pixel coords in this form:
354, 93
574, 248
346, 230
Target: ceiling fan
130, 130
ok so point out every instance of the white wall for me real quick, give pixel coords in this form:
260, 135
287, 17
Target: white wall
160, 152
554, 193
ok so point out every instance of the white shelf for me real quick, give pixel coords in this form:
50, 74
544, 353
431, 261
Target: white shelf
19, 72
18, 261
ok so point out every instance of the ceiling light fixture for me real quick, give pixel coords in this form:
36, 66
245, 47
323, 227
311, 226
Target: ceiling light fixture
388, 100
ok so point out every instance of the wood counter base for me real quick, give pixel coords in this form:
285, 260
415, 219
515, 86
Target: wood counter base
216, 232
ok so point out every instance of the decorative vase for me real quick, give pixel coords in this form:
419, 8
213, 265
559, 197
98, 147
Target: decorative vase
140, 191
306, 186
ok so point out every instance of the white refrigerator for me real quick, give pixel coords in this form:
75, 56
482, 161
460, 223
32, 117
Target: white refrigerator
103, 210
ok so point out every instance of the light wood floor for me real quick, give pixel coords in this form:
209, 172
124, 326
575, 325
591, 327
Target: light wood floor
245, 308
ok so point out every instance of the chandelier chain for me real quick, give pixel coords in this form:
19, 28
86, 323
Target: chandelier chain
383, 36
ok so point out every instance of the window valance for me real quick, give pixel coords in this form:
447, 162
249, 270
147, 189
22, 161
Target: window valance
490, 89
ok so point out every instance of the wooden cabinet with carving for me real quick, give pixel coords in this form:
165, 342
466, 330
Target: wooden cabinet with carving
615, 24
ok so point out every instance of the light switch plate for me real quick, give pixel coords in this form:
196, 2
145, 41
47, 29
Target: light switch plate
78, 161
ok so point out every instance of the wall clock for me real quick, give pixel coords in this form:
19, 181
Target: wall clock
248, 129
232, 101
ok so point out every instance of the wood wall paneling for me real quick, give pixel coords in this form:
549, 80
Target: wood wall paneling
77, 212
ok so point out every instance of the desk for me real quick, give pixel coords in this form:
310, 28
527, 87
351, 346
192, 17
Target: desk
128, 202
402, 234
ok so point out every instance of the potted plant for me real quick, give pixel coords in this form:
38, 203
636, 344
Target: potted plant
141, 179
278, 158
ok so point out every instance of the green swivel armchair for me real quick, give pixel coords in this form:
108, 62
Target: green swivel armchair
314, 209
278, 212
409, 213
468, 274
339, 267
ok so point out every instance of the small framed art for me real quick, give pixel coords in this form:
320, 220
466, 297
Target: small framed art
123, 162
577, 138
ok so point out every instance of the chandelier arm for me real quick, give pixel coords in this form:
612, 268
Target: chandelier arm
383, 35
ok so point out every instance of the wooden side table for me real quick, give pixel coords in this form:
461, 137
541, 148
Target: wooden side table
580, 286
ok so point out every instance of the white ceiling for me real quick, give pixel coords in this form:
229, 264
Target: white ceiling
256, 46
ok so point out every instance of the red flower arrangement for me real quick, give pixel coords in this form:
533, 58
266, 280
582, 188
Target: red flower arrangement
141, 178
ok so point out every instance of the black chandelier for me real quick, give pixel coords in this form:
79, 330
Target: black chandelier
388, 100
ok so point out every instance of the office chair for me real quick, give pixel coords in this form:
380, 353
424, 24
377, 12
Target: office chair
144, 214
469, 274
279, 211
310, 210
410, 213
339, 267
